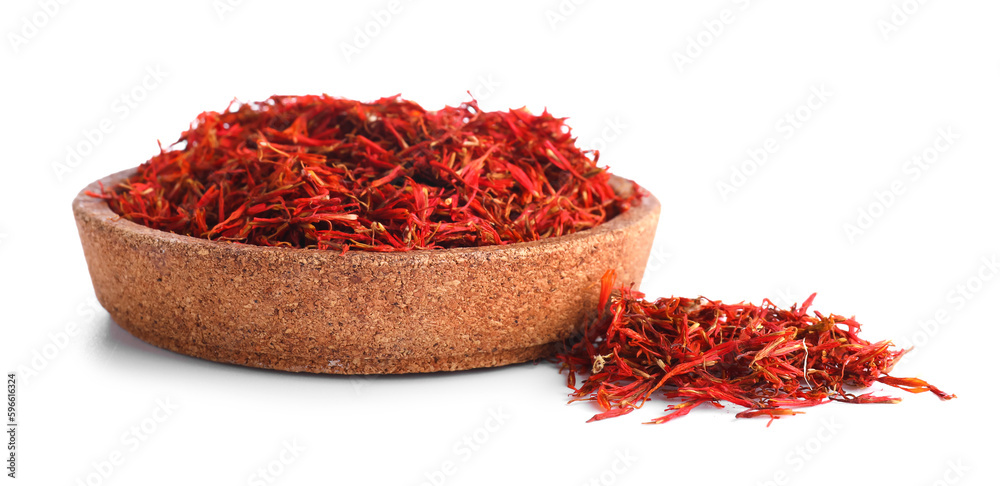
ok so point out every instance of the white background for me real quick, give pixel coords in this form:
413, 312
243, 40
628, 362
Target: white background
620, 72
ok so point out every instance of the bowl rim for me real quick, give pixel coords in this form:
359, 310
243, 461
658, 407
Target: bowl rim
88, 207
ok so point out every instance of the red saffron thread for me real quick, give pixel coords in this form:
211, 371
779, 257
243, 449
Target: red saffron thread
331, 173
765, 359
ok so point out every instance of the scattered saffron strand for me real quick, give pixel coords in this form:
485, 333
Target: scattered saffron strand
773, 413
767, 360
331, 173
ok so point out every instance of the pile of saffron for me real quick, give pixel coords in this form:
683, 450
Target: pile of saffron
337, 174
765, 359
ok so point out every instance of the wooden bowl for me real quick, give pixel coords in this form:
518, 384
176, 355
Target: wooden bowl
362, 312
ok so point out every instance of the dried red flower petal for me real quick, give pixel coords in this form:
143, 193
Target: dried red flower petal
765, 359
330, 173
